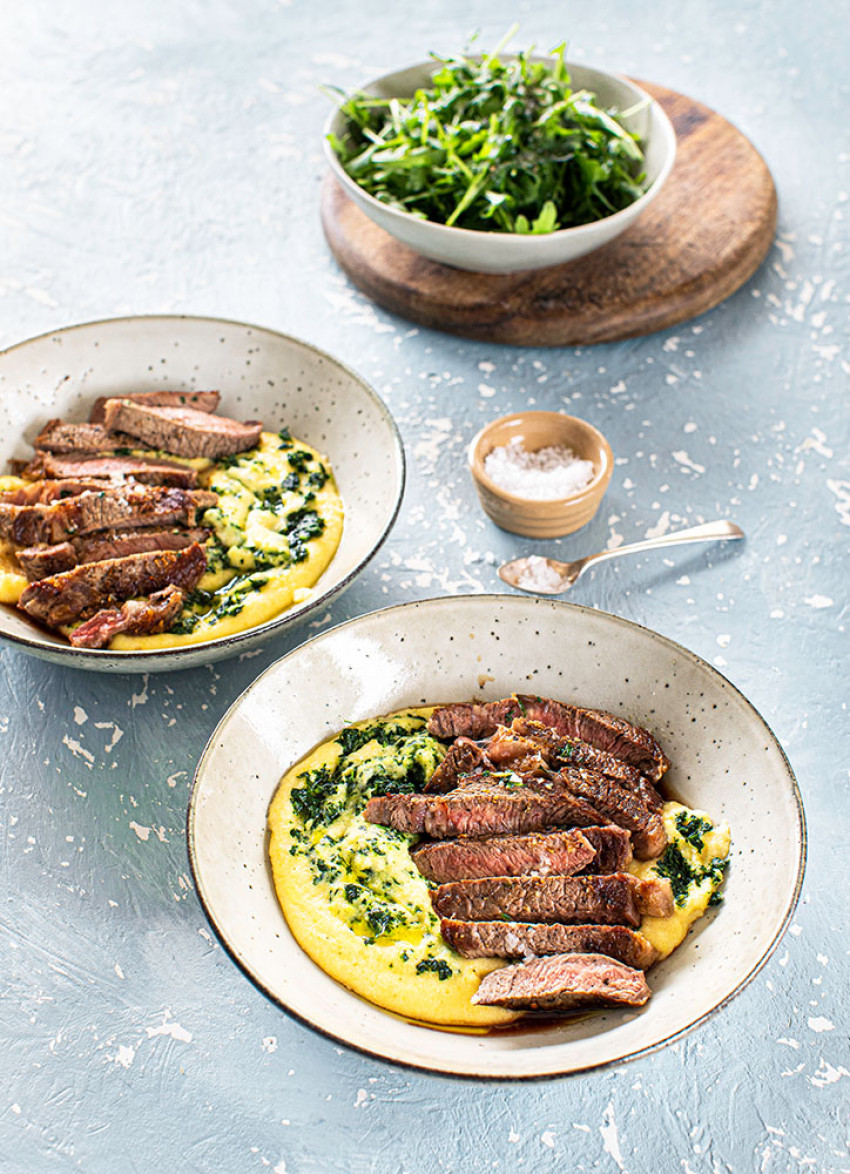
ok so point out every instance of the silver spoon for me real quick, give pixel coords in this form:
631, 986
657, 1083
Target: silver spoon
547, 576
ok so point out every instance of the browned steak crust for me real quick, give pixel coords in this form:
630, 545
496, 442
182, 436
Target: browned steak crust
186, 432
611, 899
61, 599
540, 853
564, 981
520, 939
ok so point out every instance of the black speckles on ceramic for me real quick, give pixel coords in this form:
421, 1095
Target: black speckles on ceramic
725, 761
262, 375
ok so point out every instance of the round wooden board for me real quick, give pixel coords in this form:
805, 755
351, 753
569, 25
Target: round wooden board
705, 234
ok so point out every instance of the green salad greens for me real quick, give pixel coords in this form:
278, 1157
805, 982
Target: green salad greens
493, 145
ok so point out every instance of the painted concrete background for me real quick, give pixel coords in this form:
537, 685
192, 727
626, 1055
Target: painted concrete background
166, 157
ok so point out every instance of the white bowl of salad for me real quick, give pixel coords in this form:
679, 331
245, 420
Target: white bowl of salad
501, 162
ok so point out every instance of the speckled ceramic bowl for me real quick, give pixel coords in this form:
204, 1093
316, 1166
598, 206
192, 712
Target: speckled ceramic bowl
501, 252
725, 761
541, 518
262, 375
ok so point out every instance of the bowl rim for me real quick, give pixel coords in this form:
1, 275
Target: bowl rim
143, 656
529, 240
244, 966
600, 479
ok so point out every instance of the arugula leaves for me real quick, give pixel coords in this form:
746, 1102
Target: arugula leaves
493, 145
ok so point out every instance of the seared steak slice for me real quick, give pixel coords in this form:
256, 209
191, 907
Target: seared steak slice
480, 808
39, 561
521, 939
619, 806
185, 432
462, 757
529, 737
471, 719
61, 436
613, 899
613, 848
615, 735
138, 617
43, 492
148, 470
94, 548
564, 853
127, 506
562, 982
201, 401
60, 599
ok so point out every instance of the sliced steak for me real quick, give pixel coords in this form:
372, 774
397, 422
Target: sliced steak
148, 470
126, 506
480, 808
61, 437
462, 758
43, 492
613, 899
563, 853
615, 735
186, 432
471, 719
522, 939
60, 599
562, 982
201, 401
528, 737
613, 847
137, 617
624, 808
39, 561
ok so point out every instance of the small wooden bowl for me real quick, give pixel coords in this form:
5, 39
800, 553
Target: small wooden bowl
542, 518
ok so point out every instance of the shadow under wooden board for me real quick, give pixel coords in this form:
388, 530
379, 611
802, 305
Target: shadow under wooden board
699, 241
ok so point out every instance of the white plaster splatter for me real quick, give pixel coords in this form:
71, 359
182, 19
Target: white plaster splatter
269, 1044
142, 697
172, 779
660, 527
78, 750
820, 1023
610, 1137
682, 458
513, 1137
125, 1055
142, 832
826, 1074
361, 1098
486, 391
117, 734
818, 601
80, 715
167, 1027
841, 490
724, 640
118, 970
548, 1138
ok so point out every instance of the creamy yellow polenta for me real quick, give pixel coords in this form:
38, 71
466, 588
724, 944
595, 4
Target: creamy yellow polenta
694, 862
276, 527
353, 898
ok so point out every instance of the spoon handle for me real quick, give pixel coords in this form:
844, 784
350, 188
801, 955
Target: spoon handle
707, 532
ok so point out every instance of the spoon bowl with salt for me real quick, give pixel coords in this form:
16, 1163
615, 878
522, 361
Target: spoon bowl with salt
548, 576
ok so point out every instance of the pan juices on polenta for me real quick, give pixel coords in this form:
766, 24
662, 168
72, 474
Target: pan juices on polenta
353, 898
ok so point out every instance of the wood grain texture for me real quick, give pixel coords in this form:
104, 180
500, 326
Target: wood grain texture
701, 239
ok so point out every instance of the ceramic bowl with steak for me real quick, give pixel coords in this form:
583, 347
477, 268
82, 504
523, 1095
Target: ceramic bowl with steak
177, 489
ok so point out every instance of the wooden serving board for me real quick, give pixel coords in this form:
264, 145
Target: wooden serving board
699, 241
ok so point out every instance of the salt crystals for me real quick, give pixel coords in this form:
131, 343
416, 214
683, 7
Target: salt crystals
538, 574
545, 475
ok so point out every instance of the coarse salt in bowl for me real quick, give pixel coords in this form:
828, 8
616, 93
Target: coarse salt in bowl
540, 474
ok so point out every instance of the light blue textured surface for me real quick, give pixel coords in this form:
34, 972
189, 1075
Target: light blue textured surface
165, 157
